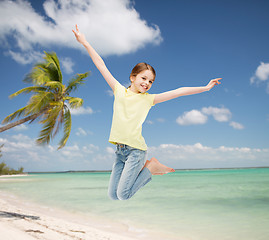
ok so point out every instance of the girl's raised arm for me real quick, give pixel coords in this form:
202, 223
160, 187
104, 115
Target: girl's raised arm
97, 60
183, 91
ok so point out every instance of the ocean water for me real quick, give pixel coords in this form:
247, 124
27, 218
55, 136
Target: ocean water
225, 204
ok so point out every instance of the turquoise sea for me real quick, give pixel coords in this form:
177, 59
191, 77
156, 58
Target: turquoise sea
224, 204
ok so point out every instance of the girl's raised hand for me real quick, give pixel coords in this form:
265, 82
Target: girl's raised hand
213, 83
79, 36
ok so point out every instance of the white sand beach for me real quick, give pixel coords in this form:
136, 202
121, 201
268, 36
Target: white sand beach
12, 176
27, 221
18, 222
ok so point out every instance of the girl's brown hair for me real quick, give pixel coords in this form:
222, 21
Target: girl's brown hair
141, 67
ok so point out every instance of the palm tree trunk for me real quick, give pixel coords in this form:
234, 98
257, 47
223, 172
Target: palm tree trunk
21, 121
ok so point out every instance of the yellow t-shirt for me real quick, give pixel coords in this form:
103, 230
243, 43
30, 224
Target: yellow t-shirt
130, 112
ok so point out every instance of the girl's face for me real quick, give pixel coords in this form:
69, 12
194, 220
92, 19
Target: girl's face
142, 82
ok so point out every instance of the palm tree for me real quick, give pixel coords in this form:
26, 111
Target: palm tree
1, 150
50, 100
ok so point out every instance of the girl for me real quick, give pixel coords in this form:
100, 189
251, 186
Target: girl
131, 106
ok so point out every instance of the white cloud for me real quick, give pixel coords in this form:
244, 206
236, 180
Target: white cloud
261, 75
192, 117
82, 111
219, 114
21, 127
25, 57
34, 56
161, 120
21, 137
90, 149
200, 156
67, 65
110, 93
17, 143
113, 27
262, 72
81, 132
71, 151
236, 125
195, 117
21, 150
110, 150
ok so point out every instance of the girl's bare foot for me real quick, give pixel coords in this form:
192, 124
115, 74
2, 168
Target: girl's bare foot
156, 168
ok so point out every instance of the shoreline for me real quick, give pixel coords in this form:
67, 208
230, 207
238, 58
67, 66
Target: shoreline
24, 220
177, 169
14, 175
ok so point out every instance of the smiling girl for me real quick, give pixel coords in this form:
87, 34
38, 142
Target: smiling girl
130, 170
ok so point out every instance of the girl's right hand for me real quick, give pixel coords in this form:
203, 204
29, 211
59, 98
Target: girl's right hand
79, 36
213, 83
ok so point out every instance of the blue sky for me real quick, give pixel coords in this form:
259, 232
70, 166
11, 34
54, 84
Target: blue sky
187, 42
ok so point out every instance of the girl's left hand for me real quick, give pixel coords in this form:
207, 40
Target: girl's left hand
213, 83
79, 36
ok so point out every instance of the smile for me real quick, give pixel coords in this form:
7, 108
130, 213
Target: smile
145, 87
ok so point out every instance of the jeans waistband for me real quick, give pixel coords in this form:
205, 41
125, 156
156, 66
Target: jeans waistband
122, 145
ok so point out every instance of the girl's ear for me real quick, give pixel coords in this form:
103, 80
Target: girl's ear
132, 78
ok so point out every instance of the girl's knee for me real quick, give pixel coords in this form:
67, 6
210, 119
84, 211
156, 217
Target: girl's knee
113, 196
123, 195
119, 196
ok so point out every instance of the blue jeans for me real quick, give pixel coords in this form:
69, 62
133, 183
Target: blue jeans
126, 176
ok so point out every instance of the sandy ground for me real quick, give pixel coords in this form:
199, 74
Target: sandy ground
20, 220
20, 223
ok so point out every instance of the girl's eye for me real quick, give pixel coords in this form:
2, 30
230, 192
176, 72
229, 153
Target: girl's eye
143, 78
150, 82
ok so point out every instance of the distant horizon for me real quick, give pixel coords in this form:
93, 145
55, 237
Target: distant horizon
186, 169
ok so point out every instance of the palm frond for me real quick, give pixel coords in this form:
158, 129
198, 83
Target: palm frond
34, 89
46, 71
49, 123
52, 59
56, 86
39, 101
45, 134
74, 102
42, 114
53, 112
39, 75
75, 82
52, 122
14, 115
60, 120
67, 127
